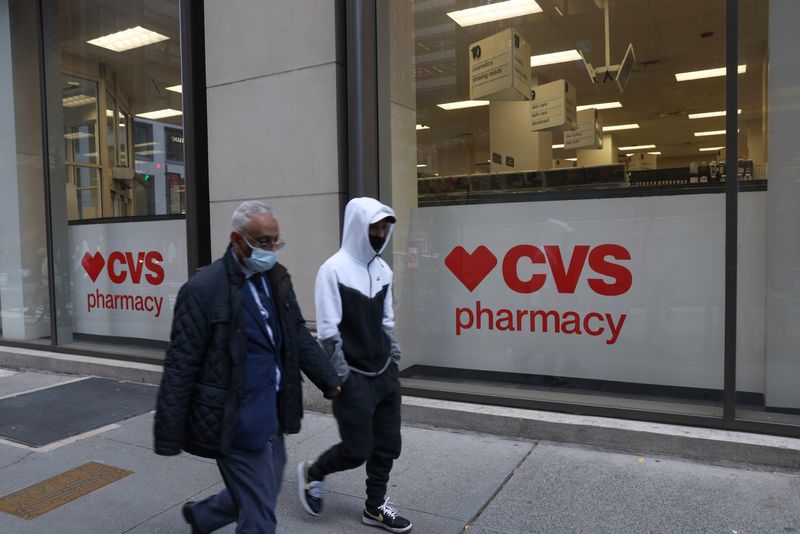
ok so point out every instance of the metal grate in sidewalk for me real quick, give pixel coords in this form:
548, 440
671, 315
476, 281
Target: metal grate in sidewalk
59, 412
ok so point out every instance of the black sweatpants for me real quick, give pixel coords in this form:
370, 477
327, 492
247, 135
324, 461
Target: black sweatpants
368, 414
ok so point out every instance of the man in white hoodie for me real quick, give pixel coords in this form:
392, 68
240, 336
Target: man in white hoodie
355, 324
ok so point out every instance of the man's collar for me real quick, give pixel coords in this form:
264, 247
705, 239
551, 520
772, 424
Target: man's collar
245, 270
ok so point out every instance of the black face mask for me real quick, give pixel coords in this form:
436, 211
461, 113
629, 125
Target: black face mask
377, 242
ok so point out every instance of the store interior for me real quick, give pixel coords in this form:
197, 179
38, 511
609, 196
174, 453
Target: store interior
120, 64
656, 123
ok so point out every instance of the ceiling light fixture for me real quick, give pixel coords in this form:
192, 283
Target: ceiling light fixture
603, 105
656, 153
636, 147
571, 159
559, 145
711, 148
710, 114
555, 57
420, 165
617, 127
709, 132
421, 127
77, 101
492, 12
708, 73
463, 104
128, 39
160, 114
175, 88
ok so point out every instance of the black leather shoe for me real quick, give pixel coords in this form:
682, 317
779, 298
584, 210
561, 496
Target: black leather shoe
188, 515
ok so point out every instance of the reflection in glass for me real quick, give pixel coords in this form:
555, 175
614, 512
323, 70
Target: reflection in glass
116, 59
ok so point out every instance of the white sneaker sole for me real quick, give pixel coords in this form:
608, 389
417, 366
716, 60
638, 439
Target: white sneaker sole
373, 523
301, 488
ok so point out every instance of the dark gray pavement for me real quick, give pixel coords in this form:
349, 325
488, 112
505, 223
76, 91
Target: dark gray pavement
446, 482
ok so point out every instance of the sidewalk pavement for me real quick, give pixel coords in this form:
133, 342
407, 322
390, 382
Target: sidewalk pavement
446, 481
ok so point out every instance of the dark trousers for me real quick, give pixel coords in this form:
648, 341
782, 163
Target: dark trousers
252, 482
368, 414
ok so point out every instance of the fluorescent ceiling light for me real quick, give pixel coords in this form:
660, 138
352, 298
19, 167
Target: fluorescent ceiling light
493, 12
175, 88
709, 132
559, 146
708, 73
149, 152
77, 135
142, 145
128, 39
420, 165
616, 127
421, 127
109, 113
710, 114
160, 114
636, 147
657, 153
555, 57
571, 159
463, 104
629, 154
711, 148
603, 105
77, 101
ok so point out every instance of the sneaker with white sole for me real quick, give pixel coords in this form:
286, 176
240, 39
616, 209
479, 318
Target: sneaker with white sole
309, 491
385, 516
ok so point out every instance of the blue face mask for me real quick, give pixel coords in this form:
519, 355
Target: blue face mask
261, 260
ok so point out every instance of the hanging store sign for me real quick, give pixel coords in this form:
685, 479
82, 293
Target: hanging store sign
499, 67
589, 133
126, 276
553, 107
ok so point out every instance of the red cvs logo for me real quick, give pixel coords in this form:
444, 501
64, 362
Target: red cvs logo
93, 265
123, 265
470, 269
564, 271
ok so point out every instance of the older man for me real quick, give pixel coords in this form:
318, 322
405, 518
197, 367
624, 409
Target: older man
231, 384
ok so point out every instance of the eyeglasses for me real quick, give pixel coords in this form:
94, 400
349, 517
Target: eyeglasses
265, 243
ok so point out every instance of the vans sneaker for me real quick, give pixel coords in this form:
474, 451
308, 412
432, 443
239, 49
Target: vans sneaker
309, 491
385, 516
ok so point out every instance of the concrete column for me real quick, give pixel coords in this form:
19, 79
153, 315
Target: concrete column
24, 302
783, 209
273, 73
510, 135
599, 156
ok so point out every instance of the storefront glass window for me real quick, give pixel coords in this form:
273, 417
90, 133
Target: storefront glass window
24, 295
768, 348
119, 237
561, 216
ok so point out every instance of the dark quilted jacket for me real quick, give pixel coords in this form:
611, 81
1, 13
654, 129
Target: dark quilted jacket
203, 376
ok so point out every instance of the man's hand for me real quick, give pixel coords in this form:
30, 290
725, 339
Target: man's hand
334, 392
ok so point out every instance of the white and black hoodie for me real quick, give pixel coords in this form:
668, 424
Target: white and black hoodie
353, 296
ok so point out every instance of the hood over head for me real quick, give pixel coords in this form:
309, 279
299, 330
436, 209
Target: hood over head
358, 215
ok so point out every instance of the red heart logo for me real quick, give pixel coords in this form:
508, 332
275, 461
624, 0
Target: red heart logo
93, 264
470, 269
